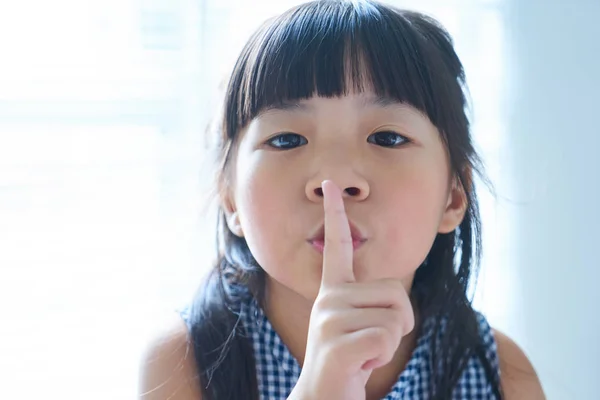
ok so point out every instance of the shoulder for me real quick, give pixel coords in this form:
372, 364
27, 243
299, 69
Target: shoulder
167, 367
517, 375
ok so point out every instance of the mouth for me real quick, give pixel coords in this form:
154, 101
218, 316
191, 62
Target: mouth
317, 241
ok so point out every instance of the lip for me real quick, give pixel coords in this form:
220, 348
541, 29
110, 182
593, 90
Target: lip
317, 241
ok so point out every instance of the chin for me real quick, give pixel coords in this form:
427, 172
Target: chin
306, 288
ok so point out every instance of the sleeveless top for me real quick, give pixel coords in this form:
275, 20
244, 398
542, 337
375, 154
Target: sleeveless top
278, 371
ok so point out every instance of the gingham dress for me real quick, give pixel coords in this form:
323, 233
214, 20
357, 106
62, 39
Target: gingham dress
278, 371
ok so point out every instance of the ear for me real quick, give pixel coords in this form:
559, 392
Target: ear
456, 207
231, 215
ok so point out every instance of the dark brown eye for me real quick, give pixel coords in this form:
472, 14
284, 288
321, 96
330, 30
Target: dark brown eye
287, 141
387, 139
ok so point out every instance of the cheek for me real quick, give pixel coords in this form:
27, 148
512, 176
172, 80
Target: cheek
258, 210
272, 219
413, 223
265, 212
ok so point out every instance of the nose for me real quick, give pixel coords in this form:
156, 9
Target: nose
353, 187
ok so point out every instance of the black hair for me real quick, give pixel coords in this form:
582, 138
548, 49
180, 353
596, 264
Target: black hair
331, 48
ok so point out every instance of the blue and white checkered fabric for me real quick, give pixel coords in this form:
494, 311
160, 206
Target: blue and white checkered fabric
278, 371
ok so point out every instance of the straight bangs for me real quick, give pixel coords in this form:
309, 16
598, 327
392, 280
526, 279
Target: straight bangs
334, 48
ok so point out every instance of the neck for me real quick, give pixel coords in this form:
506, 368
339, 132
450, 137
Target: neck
289, 314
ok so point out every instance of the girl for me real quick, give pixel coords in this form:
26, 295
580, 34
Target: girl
349, 226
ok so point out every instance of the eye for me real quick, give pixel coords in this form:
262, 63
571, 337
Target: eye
387, 139
286, 141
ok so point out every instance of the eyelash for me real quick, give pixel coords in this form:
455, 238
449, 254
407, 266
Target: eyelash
402, 139
271, 142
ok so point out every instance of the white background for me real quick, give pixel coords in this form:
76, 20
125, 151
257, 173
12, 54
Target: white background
103, 174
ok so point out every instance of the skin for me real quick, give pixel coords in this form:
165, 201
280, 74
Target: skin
355, 327
404, 196
396, 187
345, 314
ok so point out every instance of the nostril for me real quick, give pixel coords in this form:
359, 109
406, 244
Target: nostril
352, 191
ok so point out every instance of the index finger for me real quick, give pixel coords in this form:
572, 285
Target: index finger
337, 254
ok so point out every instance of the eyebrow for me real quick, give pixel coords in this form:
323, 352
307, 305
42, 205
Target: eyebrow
302, 106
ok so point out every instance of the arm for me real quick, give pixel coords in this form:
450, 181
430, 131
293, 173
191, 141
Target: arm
518, 378
167, 370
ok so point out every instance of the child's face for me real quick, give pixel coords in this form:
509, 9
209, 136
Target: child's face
400, 193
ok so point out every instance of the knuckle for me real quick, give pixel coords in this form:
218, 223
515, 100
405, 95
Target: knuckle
326, 299
384, 341
376, 337
396, 320
328, 322
397, 293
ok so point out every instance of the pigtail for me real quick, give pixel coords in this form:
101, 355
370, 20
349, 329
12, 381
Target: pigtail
224, 354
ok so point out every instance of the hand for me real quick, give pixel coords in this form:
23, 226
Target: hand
354, 327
